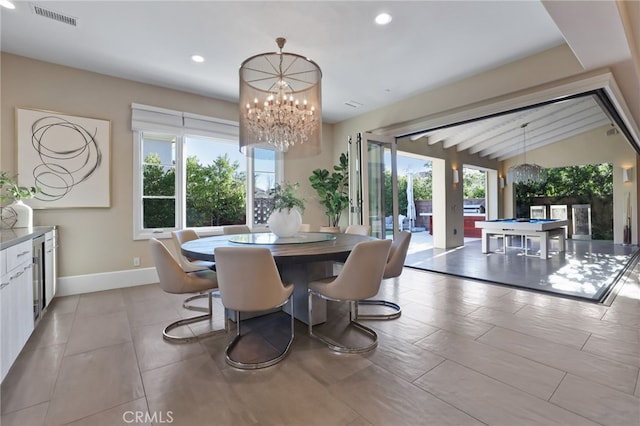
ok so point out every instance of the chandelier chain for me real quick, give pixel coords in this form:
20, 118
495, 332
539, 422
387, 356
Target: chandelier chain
526, 173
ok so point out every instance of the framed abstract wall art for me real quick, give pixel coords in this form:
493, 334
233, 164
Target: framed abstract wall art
67, 157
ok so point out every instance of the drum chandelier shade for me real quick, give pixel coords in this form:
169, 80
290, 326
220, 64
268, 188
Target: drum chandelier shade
281, 103
526, 173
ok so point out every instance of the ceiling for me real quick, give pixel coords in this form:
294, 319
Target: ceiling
428, 44
508, 135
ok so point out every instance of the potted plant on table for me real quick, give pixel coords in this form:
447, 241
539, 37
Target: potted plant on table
285, 218
17, 214
333, 189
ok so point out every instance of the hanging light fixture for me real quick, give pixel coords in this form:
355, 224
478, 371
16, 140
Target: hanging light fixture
526, 173
280, 102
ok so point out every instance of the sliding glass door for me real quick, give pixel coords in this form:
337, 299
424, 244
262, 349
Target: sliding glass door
373, 183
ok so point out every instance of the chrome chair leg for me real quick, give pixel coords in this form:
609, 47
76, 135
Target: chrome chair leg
262, 363
397, 311
186, 304
331, 343
207, 317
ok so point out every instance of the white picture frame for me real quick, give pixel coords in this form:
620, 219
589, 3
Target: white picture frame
66, 157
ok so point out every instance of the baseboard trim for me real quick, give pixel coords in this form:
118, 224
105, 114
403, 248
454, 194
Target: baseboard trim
79, 284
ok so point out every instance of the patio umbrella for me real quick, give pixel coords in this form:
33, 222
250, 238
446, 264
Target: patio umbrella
411, 206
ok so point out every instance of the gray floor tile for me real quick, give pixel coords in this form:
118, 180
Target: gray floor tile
91, 382
584, 364
597, 402
384, 399
481, 354
519, 372
492, 402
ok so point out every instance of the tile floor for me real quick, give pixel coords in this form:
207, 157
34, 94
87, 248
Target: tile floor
586, 270
462, 352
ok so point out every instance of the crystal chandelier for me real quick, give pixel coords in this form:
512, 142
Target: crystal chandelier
526, 173
280, 102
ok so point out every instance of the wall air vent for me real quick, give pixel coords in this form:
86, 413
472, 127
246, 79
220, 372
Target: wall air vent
56, 16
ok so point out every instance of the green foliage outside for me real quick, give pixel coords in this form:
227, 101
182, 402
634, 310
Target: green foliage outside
158, 181
584, 182
474, 187
591, 184
474, 183
216, 193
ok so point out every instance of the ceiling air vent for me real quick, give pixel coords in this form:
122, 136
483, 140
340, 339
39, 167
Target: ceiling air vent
353, 104
56, 16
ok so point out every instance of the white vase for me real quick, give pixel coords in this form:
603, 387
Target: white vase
285, 223
24, 214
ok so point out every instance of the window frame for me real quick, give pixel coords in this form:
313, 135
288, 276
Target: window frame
181, 134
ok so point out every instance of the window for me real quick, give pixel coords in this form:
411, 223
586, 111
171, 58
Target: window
188, 172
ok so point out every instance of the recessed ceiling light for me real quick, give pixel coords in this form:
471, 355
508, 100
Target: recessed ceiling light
197, 58
383, 18
7, 4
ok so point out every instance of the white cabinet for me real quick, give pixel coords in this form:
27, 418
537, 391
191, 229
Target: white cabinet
16, 302
49, 266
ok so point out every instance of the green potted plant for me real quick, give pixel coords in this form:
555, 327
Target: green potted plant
285, 218
333, 189
17, 214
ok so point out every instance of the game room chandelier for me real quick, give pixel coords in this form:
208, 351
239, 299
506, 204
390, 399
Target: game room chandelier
280, 102
526, 173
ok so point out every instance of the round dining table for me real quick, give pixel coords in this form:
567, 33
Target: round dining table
305, 257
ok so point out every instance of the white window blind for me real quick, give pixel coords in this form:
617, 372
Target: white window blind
150, 118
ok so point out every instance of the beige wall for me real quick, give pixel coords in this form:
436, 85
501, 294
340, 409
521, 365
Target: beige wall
101, 240
299, 170
538, 69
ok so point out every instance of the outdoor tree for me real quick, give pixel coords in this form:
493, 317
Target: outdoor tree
587, 184
421, 190
583, 182
216, 193
158, 181
473, 183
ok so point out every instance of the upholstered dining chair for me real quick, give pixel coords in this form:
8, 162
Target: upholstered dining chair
392, 269
249, 281
173, 279
359, 279
305, 227
358, 230
190, 265
330, 229
235, 229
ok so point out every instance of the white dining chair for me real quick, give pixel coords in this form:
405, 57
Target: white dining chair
358, 230
173, 279
249, 281
393, 268
359, 279
191, 265
236, 229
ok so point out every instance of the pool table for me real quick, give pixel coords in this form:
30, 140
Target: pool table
544, 229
